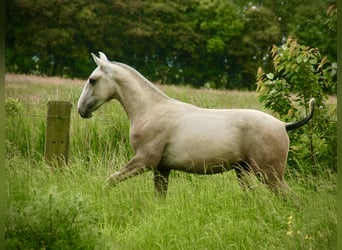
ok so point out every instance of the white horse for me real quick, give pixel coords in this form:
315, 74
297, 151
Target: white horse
167, 134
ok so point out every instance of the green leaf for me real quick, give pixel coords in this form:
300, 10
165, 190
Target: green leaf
270, 76
299, 59
313, 60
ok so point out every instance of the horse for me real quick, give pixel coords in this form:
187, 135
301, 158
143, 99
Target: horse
167, 134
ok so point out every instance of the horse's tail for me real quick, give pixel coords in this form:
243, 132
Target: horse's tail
293, 125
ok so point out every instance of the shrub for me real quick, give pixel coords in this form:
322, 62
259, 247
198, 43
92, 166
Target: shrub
23, 135
50, 221
13, 107
300, 72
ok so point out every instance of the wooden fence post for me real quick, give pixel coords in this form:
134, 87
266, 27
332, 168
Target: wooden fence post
57, 133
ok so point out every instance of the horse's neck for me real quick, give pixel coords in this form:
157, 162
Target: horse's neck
137, 94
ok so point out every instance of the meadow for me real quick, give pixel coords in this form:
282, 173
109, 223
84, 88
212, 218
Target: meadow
68, 207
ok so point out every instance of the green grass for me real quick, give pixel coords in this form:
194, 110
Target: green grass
69, 207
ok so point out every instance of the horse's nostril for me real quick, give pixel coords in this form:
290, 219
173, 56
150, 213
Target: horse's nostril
85, 114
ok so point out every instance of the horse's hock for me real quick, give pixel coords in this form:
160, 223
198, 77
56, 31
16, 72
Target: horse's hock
57, 133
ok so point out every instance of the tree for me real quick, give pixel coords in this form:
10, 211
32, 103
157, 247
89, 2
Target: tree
217, 43
300, 73
218, 24
310, 28
51, 40
251, 50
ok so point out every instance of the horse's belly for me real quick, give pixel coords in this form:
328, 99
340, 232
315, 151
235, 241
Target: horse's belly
200, 165
201, 154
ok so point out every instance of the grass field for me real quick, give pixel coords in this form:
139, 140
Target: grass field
69, 208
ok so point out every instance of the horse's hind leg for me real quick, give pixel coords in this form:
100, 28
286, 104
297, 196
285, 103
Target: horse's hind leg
242, 170
277, 183
161, 180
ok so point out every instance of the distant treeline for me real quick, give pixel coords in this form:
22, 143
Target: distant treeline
199, 42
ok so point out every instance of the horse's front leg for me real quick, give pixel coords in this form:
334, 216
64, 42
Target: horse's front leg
134, 167
140, 163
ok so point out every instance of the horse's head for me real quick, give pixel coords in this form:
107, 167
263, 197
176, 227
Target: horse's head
99, 88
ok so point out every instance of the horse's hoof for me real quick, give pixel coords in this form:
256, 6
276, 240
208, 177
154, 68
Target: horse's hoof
110, 183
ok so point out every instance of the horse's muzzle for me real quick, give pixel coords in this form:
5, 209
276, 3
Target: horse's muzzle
85, 115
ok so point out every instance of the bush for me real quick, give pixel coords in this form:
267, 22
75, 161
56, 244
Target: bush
23, 135
13, 107
50, 221
300, 73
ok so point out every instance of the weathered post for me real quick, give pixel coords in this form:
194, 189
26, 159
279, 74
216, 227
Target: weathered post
57, 133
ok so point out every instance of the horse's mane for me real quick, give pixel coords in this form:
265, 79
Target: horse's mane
139, 77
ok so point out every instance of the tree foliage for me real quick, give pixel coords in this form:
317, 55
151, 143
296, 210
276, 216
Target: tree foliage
197, 42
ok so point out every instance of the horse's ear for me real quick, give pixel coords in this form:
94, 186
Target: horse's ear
103, 56
96, 59
101, 62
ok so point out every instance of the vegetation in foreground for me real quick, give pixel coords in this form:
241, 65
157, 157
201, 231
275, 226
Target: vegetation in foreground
68, 207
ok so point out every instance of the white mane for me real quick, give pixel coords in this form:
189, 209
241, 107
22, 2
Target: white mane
140, 78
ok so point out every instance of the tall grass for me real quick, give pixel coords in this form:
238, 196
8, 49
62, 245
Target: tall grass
70, 208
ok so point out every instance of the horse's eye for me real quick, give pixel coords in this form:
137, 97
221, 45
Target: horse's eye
92, 81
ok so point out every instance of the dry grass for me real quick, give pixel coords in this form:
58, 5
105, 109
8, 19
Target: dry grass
18, 81
32, 88
15, 81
